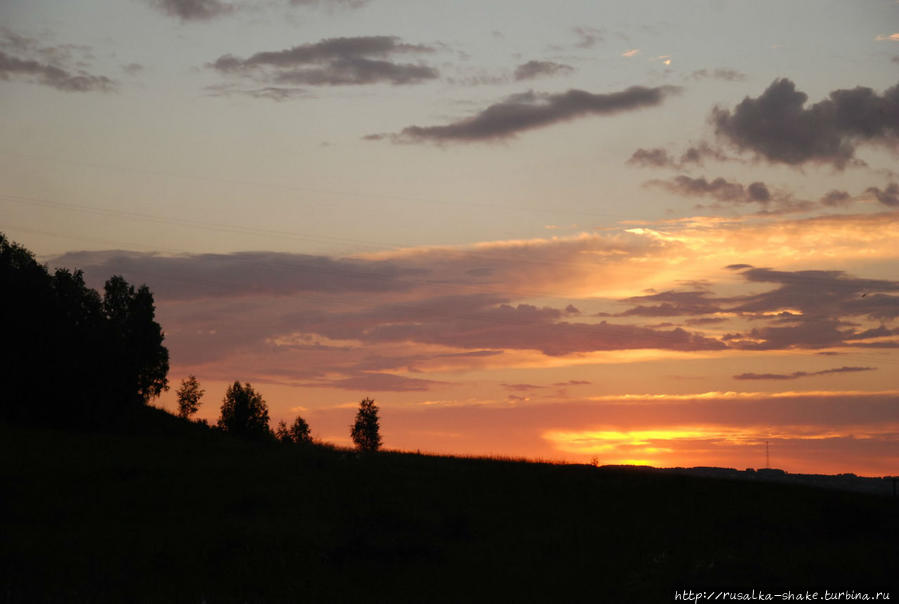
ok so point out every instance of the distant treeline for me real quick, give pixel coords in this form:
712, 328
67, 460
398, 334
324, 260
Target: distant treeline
71, 357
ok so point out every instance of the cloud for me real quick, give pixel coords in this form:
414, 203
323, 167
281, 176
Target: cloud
530, 110
660, 158
477, 322
799, 374
436, 308
379, 382
672, 303
25, 59
808, 310
885, 37
778, 127
719, 188
334, 62
193, 10
729, 75
273, 93
536, 69
656, 158
588, 37
836, 198
630, 53
888, 196
202, 276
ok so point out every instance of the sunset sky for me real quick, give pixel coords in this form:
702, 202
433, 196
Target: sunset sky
659, 232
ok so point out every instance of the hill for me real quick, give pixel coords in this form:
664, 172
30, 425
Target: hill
173, 512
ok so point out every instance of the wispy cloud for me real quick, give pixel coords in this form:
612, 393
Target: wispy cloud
26, 59
536, 69
588, 37
333, 62
530, 110
800, 374
729, 75
193, 10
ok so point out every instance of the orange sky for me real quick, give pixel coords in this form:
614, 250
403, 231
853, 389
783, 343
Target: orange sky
628, 231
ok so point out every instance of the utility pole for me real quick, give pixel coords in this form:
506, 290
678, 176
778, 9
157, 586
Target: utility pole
767, 457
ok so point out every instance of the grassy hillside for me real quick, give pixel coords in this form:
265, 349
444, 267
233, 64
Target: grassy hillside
176, 513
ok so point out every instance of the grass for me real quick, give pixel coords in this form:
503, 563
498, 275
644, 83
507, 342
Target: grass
176, 513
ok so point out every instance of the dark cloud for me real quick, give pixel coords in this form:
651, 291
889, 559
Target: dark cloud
737, 267
53, 75
193, 10
888, 196
660, 158
799, 374
530, 110
730, 75
358, 71
808, 310
273, 93
656, 158
698, 153
132, 68
536, 69
334, 62
478, 322
778, 127
818, 294
243, 273
672, 304
836, 198
719, 189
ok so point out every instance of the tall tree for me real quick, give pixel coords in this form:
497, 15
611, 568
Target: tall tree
189, 395
140, 358
366, 429
70, 357
244, 412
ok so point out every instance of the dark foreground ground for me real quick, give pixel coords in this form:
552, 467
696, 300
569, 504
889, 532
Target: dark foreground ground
179, 514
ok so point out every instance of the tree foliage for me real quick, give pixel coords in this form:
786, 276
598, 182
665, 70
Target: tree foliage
366, 430
189, 395
70, 357
244, 412
297, 433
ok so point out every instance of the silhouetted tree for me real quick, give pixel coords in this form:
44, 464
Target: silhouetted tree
297, 433
365, 430
244, 412
70, 357
141, 360
189, 395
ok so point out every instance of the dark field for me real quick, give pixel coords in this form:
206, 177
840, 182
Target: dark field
177, 513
